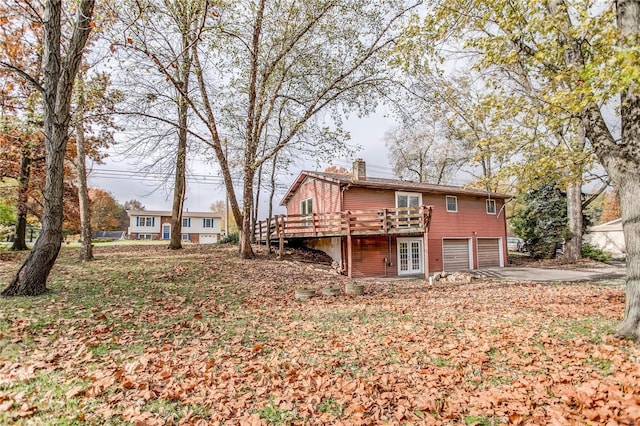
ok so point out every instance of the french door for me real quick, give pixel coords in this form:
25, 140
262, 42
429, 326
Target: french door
410, 256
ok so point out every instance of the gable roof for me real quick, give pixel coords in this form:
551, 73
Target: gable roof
391, 184
168, 213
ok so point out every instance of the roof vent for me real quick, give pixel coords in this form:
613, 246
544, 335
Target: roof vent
359, 169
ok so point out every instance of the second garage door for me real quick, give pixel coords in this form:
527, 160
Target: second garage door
208, 238
488, 252
455, 255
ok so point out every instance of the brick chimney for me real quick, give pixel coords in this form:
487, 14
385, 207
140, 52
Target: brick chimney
359, 169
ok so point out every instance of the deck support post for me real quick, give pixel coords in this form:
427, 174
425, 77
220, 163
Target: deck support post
349, 256
425, 250
281, 246
349, 246
280, 234
426, 216
267, 238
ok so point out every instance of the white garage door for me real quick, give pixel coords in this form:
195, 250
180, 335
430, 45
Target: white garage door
455, 255
208, 238
488, 252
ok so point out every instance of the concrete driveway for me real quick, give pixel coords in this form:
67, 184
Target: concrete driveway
609, 274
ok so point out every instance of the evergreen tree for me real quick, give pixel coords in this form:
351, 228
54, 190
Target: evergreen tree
543, 221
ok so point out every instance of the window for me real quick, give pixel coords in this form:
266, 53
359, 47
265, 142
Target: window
409, 204
145, 221
207, 222
144, 237
185, 237
186, 222
452, 203
306, 209
491, 206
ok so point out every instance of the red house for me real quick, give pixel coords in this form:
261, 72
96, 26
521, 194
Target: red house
377, 227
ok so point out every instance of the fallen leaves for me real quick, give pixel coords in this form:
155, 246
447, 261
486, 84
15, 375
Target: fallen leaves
150, 336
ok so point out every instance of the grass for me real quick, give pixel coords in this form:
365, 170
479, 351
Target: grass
145, 335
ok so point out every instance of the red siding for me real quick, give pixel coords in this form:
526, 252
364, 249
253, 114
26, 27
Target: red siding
325, 195
365, 199
470, 221
368, 257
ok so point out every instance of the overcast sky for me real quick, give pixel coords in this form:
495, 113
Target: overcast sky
125, 180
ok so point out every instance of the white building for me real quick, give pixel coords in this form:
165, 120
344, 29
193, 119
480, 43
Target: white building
197, 227
607, 237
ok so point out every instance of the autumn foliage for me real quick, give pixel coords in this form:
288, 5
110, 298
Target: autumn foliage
152, 337
610, 207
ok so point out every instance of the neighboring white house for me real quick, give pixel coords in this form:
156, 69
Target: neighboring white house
197, 227
607, 237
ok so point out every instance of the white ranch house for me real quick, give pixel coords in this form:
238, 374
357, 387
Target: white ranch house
197, 227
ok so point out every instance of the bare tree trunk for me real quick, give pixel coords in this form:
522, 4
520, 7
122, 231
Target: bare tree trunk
57, 89
246, 252
256, 204
630, 208
274, 163
573, 246
179, 189
20, 242
628, 183
86, 248
180, 185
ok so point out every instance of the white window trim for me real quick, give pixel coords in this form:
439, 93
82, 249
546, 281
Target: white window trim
186, 220
446, 202
409, 240
495, 206
142, 221
210, 222
409, 194
304, 202
408, 222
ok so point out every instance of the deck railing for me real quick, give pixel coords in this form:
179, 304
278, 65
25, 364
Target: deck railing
404, 220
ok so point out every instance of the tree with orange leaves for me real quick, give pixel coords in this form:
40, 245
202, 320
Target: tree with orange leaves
61, 56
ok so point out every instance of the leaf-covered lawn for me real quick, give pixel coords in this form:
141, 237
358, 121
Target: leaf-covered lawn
151, 336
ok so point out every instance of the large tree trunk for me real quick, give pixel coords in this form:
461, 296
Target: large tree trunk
86, 248
19, 242
57, 89
630, 207
573, 246
628, 182
31, 279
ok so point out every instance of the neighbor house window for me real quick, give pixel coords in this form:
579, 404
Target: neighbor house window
185, 237
452, 203
186, 222
491, 206
145, 221
207, 222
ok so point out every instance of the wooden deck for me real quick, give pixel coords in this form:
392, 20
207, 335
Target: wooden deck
397, 221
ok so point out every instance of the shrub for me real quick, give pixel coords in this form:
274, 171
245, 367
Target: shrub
595, 253
232, 238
